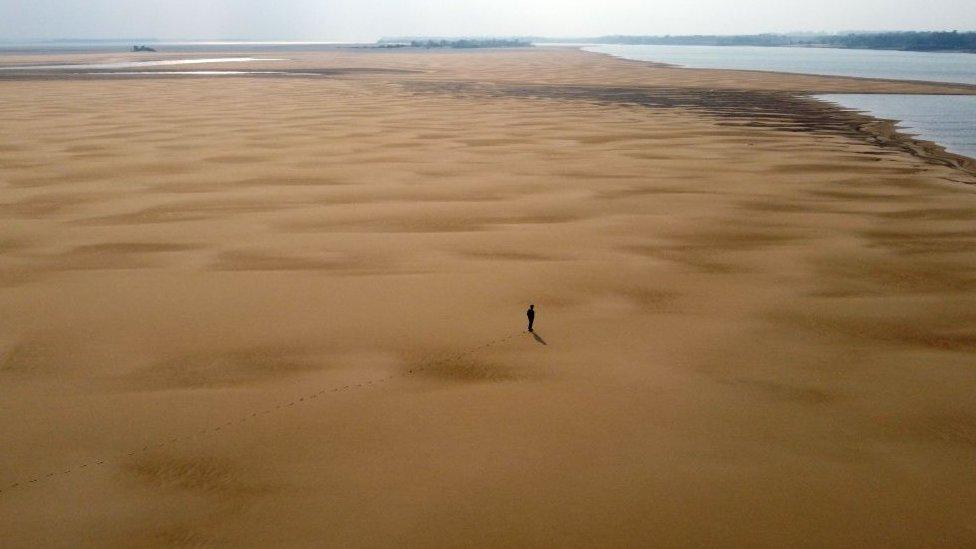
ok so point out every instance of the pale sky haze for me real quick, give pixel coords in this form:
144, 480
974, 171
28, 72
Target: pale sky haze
367, 20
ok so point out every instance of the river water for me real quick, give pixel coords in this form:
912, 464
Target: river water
947, 120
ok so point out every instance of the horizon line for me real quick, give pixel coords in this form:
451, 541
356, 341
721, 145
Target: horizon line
459, 36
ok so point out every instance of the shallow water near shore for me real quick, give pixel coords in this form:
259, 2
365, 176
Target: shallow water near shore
890, 65
949, 120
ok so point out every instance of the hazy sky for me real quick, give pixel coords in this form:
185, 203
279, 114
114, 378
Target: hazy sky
363, 20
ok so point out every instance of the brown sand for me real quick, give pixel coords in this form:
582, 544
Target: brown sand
231, 310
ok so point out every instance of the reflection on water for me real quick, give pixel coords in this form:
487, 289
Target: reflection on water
137, 64
949, 120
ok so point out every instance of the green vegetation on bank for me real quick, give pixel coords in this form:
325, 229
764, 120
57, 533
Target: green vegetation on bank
914, 41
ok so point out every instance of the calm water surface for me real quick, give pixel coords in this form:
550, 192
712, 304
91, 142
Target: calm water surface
947, 120
895, 65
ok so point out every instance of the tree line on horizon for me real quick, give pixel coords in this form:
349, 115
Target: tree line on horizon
462, 43
901, 40
913, 41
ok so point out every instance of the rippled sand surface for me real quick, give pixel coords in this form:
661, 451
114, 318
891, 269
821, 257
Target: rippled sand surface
288, 309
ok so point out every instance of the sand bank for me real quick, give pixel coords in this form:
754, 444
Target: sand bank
288, 310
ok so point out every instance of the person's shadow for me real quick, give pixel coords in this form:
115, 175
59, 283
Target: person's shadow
538, 338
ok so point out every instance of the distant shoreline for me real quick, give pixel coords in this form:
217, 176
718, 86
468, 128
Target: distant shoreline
934, 42
915, 41
879, 131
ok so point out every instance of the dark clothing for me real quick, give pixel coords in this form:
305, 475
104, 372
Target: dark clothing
531, 314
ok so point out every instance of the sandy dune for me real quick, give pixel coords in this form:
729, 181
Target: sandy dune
289, 310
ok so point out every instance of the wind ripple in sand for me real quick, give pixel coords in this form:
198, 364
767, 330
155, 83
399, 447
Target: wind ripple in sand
184, 211
206, 475
47, 204
113, 255
434, 221
508, 255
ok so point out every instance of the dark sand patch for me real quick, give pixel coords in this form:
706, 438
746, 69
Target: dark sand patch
650, 299
631, 192
205, 475
956, 429
433, 222
501, 255
46, 205
713, 251
862, 195
28, 356
238, 158
183, 211
841, 168
928, 243
245, 260
217, 369
864, 275
779, 206
494, 142
469, 370
699, 260
110, 255
929, 214
944, 335
132, 248
17, 276
11, 245
788, 392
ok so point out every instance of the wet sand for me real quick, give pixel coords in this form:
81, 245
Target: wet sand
289, 309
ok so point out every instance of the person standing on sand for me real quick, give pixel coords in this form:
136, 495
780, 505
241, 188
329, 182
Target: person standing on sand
531, 314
